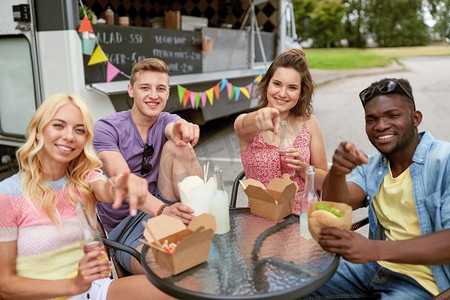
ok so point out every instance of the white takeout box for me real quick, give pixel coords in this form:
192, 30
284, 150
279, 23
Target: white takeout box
197, 194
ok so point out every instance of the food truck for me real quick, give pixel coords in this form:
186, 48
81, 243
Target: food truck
215, 51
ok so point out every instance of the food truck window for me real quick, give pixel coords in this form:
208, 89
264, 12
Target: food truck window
17, 97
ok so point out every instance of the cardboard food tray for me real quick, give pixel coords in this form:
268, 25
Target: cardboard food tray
344, 222
193, 245
274, 202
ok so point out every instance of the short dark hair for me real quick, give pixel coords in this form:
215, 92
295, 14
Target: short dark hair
399, 86
294, 59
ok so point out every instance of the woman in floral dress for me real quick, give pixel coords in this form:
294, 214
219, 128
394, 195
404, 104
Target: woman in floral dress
285, 95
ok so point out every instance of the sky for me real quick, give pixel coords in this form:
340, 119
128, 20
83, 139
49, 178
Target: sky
428, 19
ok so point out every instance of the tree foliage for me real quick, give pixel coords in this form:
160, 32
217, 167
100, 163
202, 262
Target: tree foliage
325, 17
397, 23
389, 23
355, 31
440, 10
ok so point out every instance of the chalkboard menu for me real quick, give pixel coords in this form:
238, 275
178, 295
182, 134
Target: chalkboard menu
126, 45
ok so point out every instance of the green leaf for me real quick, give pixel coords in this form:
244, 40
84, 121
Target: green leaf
334, 211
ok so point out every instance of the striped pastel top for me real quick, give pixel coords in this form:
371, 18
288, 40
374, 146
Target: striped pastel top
44, 250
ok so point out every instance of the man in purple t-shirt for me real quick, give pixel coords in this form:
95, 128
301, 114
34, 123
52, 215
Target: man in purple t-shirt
150, 143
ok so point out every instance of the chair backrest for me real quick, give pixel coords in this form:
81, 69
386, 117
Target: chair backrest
235, 189
118, 270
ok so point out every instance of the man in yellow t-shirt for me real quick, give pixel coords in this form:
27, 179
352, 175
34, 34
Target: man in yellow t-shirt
407, 188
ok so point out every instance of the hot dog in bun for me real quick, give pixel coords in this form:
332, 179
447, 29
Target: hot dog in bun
328, 214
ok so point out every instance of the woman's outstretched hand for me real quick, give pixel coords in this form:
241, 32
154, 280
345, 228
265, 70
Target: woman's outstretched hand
131, 187
268, 118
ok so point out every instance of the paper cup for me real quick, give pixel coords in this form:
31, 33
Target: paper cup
88, 45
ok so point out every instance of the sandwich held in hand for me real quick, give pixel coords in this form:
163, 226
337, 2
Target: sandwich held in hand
325, 214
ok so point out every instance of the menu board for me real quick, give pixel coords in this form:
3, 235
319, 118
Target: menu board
126, 45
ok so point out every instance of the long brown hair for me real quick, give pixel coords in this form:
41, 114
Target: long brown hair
294, 59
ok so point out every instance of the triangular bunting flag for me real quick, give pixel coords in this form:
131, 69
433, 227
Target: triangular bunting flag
192, 96
249, 89
85, 25
216, 91
230, 90
197, 100
180, 90
111, 71
223, 83
98, 56
245, 92
258, 79
203, 98
237, 92
186, 97
209, 94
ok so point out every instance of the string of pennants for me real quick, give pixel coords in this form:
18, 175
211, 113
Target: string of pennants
196, 98
90, 46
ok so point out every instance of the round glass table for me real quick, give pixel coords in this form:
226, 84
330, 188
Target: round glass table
258, 259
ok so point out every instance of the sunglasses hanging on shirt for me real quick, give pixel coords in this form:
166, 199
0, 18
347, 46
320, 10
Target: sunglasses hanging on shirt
147, 167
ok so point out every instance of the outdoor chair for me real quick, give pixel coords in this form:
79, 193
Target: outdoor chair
118, 270
445, 295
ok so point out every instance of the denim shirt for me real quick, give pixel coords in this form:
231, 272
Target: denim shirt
430, 173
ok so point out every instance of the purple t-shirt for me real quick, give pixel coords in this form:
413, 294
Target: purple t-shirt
117, 132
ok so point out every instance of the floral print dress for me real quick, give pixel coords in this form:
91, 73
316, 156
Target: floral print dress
261, 161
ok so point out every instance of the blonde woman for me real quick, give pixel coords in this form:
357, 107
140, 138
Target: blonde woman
41, 252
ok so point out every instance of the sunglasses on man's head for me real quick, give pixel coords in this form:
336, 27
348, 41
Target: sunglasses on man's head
386, 87
147, 167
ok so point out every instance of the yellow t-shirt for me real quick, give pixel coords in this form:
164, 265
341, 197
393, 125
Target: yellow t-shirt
395, 198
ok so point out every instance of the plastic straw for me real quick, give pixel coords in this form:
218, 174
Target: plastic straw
205, 172
242, 184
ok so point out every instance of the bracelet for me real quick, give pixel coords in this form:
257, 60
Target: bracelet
161, 209
115, 183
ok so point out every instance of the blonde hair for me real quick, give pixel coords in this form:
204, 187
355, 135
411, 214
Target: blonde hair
30, 165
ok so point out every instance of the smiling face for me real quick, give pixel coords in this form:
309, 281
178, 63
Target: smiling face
391, 124
284, 89
64, 139
150, 92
